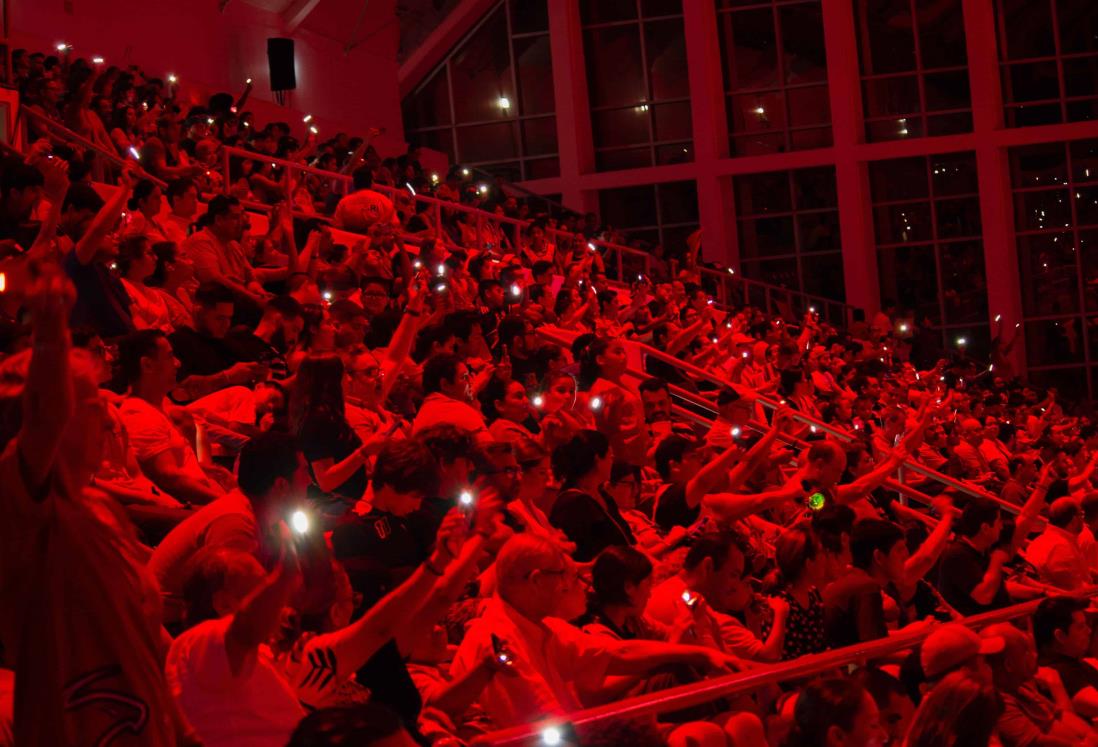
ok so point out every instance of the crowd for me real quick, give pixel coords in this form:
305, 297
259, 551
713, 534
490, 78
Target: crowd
316, 486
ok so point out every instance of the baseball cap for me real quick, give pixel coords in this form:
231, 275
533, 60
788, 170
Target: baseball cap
951, 645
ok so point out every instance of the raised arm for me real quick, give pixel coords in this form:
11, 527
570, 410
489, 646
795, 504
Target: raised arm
257, 620
106, 218
400, 347
48, 398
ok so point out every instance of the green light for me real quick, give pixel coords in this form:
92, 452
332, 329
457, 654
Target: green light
816, 501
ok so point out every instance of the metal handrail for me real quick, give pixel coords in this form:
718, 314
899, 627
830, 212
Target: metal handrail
687, 696
83, 142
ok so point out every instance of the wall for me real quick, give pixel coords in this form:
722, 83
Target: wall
213, 51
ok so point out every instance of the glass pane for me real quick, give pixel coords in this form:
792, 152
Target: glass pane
678, 202
808, 106
822, 275
1082, 111
1080, 76
440, 140
619, 127
490, 142
1078, 26
535, 75
964, 290
1044, 209
758, 144
1033, 115
749, 49
1038, 165
1025, 28
672, 121
665, 49
762, 193
908, 276
1084, 160
1032, 81
604, 11
767, 237
430, 105
674, 237
1086, 206
949, 124
480, 73
1088, 260
803, 43
542, 168
628, 158
628, 207
958, 218
614, 67
1053, 342
1047, 264
676, 153
898, 224
894, 129
819, 232
650, 8
942, 35
818, 137
899, 179
1070, 382
886, 96
528, 16
953, 174
815, 188
780, 272
947, 91
539, 136
757, 112
886, 39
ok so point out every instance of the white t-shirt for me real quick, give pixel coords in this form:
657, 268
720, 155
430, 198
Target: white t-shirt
256, 708
152, 433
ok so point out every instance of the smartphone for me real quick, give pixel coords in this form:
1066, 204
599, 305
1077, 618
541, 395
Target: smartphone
502, 652
690, 598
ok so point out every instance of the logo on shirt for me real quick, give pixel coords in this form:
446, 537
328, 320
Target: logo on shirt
131, 712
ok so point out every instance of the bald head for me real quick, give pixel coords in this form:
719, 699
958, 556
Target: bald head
519, 558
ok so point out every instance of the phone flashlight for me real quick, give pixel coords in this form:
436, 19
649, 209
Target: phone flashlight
442, 269
440, 288
417, 264
307, 119
551, 736
411, 189
327, 296
731, 271
466, 499
735, 431
596, 403
745, 354
811, 309
3, 281
516, 290
313, 129
689, 598
538, 400
172, 79
299, 521
135, 154
709, 302
97, 60
591, 246
998, 317
248, 82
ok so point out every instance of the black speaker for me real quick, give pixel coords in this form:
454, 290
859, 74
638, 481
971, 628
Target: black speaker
280, 60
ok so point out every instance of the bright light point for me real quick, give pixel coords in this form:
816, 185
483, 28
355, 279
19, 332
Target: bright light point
172, 78
736, 432
466, 498
248, 82
504, 102
483, 189
299, 520
327, 295
551, 736
97, 60
465, 172
410, 189
516, 290
314, 130
440, 287
991, 368
62, 46
998, 317
442, 269
903, 328
596, 403
417, 264
3, 281
710, 302
591, 246
759, 110
134, 153
209, 120
812, 428
307, 118
745, 354
538, 400
731, 271
434, 178
961, 342
686, 596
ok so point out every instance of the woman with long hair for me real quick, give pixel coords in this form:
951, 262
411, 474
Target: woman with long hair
616, 405
136, 263
337, 457
960, 711
801, 567
173, 275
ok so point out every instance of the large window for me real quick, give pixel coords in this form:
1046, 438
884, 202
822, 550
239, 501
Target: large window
490, 104
930, 255
1049, 55
637, 83
656, 214
775, 75
1056, 217
914, 68
789, 230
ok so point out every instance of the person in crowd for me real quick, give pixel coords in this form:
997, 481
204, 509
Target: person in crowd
1062, 632
182, 196
364, 207
835, 712
1055, 553
447, 385
148, 306
218, 256
961, 709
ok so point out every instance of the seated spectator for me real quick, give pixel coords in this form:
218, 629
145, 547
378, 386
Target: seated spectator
1055, 553
1062, 632
954, 647
364, 207
961, 709
448, 386
148, 367
218, 256
182, 195
834, 712
148, 307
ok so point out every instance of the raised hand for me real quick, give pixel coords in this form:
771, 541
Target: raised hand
50, 299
